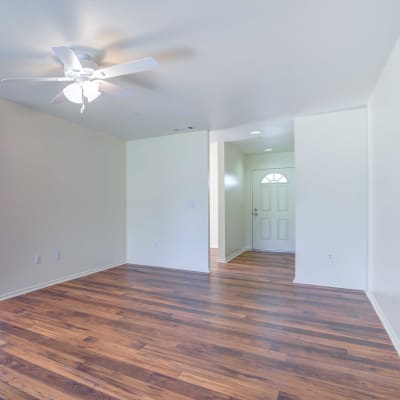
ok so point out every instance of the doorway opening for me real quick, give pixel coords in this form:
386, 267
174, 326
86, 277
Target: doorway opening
252, 205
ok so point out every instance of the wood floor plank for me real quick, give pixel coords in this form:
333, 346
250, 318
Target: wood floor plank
244, 332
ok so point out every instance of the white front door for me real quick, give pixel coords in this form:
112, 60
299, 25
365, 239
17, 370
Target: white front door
273, 209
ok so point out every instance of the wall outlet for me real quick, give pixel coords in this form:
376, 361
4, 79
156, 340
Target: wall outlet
58, 255
331, 257
155, 244
37, 259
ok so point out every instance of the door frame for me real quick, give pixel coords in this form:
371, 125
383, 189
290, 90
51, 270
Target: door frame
252, 205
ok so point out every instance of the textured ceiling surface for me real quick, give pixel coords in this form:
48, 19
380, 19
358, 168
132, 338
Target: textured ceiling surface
222, 63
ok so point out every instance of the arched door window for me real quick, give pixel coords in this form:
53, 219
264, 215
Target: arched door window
274, 177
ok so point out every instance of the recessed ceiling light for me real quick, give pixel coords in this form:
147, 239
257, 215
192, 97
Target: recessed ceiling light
255, 132
267, 149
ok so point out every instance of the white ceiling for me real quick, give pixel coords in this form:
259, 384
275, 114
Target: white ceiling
223, 63
259, 144
275, 135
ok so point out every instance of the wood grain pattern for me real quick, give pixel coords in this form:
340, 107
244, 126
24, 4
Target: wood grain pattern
259, 265
242, 332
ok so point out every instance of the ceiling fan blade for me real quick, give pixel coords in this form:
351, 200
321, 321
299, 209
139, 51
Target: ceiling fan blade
68, 58
114, 90
132, 67
58, 98
46, 79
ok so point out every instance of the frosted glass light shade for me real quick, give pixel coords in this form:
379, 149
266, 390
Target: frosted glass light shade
90, 90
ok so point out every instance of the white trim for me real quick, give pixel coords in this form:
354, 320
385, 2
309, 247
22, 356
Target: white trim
202, 270
168, 268
369, 196
43, 285
275, 251
253, 170
298, 281
385, 322
209, 199
234, 255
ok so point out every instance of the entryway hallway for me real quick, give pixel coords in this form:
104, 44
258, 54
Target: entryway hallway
256, 265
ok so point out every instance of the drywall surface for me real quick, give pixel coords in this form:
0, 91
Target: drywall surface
62, 188
384, 211
214, 195
331, 199
221, 201
234, 201
255, 162
167, 201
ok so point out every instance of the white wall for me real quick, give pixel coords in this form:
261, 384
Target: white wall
234, 200
331, 199
167, 201
221, 201
214, 195
62, 187
254, 162
384, 212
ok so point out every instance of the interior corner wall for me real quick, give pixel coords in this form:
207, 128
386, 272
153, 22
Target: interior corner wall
234, 199
254, 162
214, 195
384, 194
168, 201
62, 188
221, 201
332, 199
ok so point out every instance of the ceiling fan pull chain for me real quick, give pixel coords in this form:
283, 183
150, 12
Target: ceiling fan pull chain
83, 100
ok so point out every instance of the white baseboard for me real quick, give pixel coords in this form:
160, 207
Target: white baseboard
234, 255
43, 285
273, 251
327, 284
201, 270
385, 322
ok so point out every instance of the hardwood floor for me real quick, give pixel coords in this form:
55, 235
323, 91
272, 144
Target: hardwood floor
145, 333
258, 265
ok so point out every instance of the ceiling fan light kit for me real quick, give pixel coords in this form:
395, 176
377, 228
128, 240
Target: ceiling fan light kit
87, 82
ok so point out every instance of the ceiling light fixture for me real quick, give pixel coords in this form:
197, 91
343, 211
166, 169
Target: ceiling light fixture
88, 83
267, 149
75, 92
255, 132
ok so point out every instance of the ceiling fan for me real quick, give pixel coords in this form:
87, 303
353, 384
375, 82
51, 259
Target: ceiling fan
87, 81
